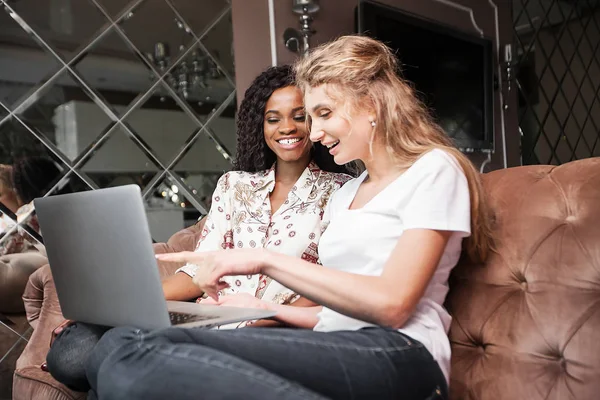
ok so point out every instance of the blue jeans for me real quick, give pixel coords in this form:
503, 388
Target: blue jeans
68, 354
262, 363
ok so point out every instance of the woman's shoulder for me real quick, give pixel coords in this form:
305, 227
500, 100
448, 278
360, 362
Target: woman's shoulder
436, 163
438, 158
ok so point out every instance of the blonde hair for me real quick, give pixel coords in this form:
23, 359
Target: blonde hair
358, 68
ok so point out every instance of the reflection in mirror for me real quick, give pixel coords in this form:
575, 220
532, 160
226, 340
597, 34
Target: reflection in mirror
64, 25
22, 235
169, 210
119, 161
3, 112
165, 29
24, 64
223, 128
30, 176
55, 113
18, 141
114, 69
152, 107
221, 33
202, 165
198, 81
163, 124
203, 22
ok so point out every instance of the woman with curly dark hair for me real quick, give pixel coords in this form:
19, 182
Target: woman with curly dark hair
275, 199
253, 149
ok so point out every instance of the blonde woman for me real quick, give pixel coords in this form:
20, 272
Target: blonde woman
395, 233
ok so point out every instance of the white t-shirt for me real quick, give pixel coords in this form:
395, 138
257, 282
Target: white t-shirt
432, 194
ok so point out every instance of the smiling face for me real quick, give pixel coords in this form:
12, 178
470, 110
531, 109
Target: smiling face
284, 126
346, 141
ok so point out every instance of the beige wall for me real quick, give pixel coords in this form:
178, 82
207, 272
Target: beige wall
251, 41
336, 17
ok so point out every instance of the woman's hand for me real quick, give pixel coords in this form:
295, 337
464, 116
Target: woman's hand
244, 300
299, 317
63, 325
214, 265
55, 332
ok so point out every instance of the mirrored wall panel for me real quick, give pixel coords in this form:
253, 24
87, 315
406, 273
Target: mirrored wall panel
100, 93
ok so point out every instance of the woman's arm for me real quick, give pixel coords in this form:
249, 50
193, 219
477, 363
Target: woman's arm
386, 300
301, 314
298, 317
180, 287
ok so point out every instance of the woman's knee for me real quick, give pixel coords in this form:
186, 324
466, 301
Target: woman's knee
67, 356
116, 337
108, 370
110, 341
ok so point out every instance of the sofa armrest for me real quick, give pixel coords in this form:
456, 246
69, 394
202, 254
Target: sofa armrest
43, 313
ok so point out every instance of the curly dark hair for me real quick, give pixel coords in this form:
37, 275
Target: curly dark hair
253, 154
33, 176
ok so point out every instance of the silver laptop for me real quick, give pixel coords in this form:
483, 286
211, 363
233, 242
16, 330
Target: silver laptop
101, 257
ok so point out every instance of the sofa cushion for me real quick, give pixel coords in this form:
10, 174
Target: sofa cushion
31, 383
525, 324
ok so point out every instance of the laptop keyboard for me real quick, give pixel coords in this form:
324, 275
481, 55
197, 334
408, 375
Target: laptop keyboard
178, 318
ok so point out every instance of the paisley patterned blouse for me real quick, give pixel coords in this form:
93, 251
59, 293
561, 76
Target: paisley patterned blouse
240, 217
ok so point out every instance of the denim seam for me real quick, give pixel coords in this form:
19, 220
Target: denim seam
279, 383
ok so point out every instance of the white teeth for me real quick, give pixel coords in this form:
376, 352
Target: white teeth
289, 141
332, 144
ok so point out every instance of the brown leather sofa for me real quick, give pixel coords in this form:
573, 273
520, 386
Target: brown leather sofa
525, 324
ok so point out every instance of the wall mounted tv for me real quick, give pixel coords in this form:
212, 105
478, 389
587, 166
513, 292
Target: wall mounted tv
452, 71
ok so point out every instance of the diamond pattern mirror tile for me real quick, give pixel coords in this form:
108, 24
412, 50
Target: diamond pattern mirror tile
115, 92
558, 79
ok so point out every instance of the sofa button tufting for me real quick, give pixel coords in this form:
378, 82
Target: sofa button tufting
524, 286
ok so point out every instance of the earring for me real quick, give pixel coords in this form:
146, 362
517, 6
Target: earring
373, 123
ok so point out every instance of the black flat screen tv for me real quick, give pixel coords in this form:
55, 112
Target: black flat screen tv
451, 71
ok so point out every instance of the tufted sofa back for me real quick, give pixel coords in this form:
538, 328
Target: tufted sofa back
526, 325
